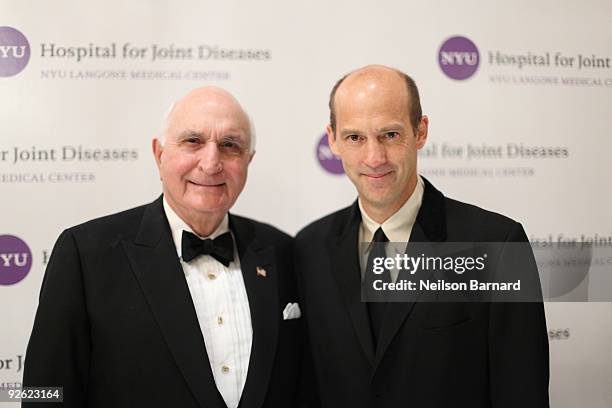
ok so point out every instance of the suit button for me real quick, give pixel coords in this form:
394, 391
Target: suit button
225, 369
220, 320
212, 276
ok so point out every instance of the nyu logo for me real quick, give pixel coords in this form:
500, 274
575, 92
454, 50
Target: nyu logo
458, 58
330, 162
14, 51
15, 259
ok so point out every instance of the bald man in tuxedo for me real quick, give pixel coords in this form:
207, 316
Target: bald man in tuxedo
177, 302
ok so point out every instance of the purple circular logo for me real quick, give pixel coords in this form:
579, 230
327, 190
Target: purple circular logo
15, 259
458, 57
329, 161
14, 51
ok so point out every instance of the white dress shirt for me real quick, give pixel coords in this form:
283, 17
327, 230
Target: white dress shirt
222, 307
397, 228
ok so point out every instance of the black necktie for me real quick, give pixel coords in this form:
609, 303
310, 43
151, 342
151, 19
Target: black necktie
220, 248
376, 310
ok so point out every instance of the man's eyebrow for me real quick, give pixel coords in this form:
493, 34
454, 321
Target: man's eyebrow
234, 137
345, 132
390, 128
235, 133
187, 134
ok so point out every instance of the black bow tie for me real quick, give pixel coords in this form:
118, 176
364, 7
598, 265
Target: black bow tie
220, 248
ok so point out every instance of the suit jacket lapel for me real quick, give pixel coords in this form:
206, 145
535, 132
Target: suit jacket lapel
344, 256
156, 266
430, 226
263, 303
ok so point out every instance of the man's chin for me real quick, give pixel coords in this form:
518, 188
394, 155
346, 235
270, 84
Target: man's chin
209, 204
375, 201
377, 195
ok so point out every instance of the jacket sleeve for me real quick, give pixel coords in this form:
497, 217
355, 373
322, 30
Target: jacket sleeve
308, 391
518, 339
58, 352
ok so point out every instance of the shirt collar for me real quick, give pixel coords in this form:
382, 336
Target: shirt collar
177, 225
399, 226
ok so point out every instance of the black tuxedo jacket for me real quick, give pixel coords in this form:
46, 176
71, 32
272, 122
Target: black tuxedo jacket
428, 354
116, 326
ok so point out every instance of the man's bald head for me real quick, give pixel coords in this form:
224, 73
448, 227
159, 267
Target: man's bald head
204, 98
203, 163
367, 79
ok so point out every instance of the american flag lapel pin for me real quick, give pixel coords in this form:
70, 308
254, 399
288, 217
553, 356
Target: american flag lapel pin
261, 272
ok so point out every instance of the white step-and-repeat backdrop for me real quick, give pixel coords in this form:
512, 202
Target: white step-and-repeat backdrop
519, 96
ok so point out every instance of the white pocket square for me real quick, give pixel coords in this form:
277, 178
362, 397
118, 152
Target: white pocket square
292, 311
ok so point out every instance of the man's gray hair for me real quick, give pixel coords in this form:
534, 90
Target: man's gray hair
161, 136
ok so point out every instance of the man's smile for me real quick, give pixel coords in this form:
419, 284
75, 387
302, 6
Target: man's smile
206, 184
376, 176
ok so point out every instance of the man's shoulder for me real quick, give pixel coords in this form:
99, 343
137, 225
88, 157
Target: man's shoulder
461, 216
471, 211
327, 225
126, 222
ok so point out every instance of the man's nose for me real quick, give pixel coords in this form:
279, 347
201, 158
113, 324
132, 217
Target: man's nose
376, 153
210, 159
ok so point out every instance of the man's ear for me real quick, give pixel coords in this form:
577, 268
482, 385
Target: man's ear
331, 140
157, 151
422, 129
251, 155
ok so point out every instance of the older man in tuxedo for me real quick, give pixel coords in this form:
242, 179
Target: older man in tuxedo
411, 353
177, 302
